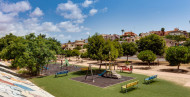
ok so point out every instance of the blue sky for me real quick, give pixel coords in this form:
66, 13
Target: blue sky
77, 19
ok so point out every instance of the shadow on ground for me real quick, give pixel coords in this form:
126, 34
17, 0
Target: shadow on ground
143, 68
174, 71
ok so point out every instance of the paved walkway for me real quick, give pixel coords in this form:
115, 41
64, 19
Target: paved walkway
13, 86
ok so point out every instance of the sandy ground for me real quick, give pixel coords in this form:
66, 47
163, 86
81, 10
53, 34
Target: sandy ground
178, 78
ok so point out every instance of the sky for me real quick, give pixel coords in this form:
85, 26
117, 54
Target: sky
78, 19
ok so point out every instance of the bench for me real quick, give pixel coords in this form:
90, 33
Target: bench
84, 69
129, 85
62, 72
150, 79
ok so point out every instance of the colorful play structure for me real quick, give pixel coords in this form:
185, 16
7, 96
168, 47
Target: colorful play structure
124, 88
109, 72
64, 64
125, 68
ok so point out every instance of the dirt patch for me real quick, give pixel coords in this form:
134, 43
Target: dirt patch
175, 71
101, 81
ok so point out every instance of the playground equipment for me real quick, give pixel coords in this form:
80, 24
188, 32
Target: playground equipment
89, 68
66, 63
125, 68
109, 72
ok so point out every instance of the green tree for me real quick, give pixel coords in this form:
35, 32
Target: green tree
177, 55
30, 52
147, 56
75, 52
177, 38
109, 51
152, 42
84, 55
187, 43
68, 53
5, 41
119, 48
129, 49
78, 48
163, 29
95, 47
85, 46
122, 31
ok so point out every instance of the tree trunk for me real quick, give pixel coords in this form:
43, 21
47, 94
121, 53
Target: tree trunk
149, 64
100, 66
158, 60
127, 58
178, 66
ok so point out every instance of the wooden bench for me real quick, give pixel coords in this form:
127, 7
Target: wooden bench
150, 79
62, 72
129, 85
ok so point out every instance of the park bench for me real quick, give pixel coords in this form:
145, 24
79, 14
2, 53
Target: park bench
84, 68
150, 79
129, 85
62, 72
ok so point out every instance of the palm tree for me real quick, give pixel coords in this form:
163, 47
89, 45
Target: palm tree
122, 31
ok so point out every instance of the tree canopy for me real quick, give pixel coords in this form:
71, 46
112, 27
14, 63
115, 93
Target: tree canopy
177, 38
129, 49
177, 55
95, 47
152, 42
147, 56
31, 52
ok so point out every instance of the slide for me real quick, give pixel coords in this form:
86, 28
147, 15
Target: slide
102, 73
116, 74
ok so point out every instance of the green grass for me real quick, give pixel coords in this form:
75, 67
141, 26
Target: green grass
65, 87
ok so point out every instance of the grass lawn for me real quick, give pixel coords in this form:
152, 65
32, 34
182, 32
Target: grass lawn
65, 87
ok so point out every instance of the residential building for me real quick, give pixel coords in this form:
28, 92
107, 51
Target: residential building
144, 34
130, 39
160, 33
110, 37
176, 31
72, 45
126, 34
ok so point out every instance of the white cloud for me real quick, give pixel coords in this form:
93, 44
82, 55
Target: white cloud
87, 33
105, 9
37, 12
87, 3
4, 18
70, 10
93, 12
70, 27
21, 6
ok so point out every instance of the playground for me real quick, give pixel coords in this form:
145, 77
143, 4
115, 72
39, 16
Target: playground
102, 81
65, 86
67, 79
